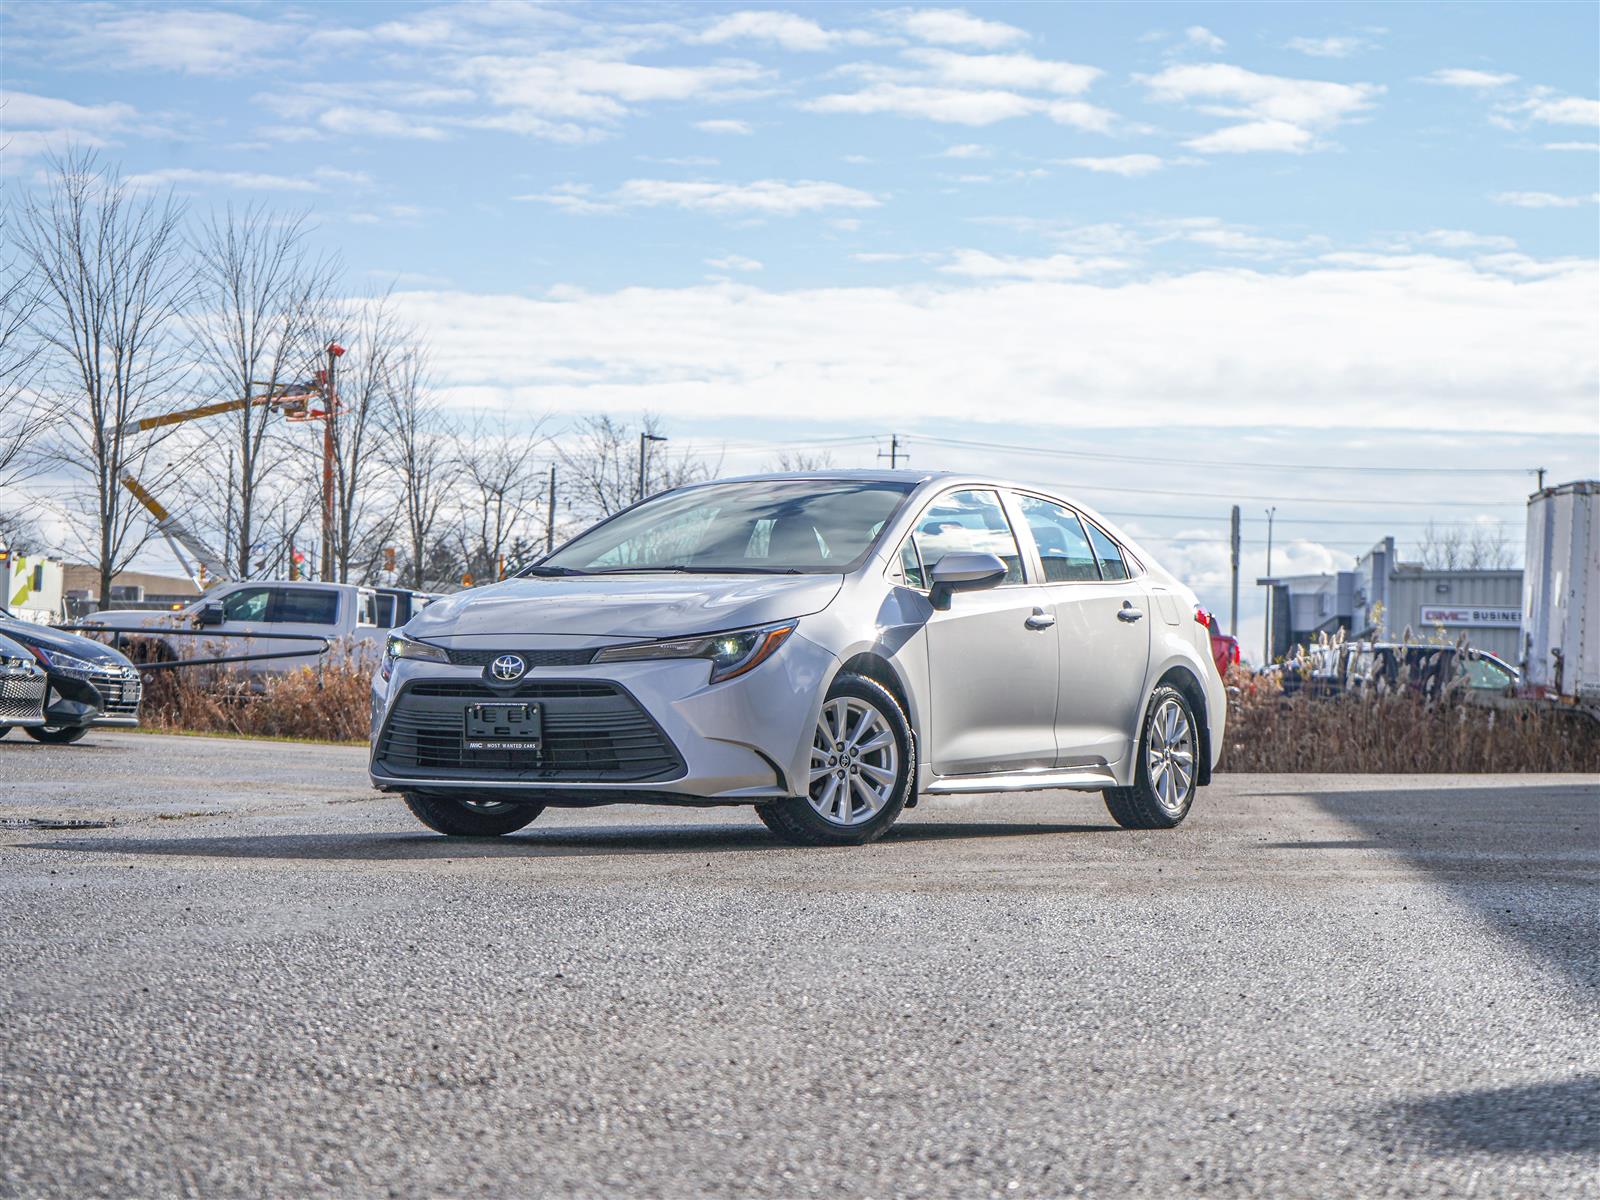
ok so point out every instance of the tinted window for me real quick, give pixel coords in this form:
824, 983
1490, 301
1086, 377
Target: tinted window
384, 616
1481, 673
246, 604
968, 522
811, 525
1109, 554
306, 606
1063, 548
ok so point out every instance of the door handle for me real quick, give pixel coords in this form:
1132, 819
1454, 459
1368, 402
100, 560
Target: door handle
1128, 612
1040, 620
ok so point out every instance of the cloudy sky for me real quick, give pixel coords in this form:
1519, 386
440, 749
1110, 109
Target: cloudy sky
1339, 260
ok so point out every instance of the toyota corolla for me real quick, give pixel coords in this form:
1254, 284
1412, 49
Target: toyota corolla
825, 647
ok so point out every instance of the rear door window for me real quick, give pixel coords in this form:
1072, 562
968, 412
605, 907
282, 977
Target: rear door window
1063, 547
1109, 555
305, 606
967, 522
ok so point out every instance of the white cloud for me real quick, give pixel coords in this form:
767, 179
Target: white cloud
734, 262
954, 106
1377, 347
1539, 200
965, 150
1466, 77
1199, 35
32, 125
775, 28
194, 41
1081, 115
1589, 146
1126, 165
1327, 47
1462, 239
247, 180
356, 121
1019, 71
765, 197
725, 125
955, 27
1566, 110
1278, 113
978, 264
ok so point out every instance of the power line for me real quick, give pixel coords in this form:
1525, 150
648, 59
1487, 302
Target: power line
1217, 462
1334, 500
1293, 520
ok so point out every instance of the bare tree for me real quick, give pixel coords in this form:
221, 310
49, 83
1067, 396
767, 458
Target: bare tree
363, 517
421, 456
501, 489
798, 460
21, 418
602, 458
1485, 548
114, 282
258, 289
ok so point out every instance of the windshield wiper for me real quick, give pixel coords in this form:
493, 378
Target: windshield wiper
551, 571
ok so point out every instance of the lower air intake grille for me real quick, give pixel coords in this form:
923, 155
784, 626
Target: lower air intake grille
592, 732
21, 697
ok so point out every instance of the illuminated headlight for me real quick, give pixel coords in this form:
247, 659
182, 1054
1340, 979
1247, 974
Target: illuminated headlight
399, 646
730, 654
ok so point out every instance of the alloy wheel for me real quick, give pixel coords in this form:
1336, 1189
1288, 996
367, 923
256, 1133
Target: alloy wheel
1169, 756
855, 762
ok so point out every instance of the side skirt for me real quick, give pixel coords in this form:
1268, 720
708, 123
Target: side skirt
1084, 779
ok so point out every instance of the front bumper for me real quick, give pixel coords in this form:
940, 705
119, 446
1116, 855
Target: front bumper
649, 730
114, 691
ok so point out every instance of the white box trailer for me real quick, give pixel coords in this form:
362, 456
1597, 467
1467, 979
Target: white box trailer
1561, 594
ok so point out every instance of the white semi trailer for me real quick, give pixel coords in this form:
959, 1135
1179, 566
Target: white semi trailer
1561, 595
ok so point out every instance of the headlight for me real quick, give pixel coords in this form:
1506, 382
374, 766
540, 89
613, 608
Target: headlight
67, 664
399, 646
731, 653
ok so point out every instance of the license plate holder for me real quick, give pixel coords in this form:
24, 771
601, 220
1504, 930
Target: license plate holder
504, 727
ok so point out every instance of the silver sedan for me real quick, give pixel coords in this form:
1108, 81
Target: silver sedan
826, 646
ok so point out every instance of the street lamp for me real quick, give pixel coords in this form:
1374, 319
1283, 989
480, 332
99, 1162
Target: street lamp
644, 449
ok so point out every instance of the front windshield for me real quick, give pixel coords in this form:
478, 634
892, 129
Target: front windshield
810, 526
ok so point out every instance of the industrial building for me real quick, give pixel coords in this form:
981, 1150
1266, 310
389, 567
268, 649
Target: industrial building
1383, 597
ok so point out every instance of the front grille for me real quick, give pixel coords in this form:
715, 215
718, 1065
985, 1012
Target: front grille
21, 697
534, 658
120, 690
592, 733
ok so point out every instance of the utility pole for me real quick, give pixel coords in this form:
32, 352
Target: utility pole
1539, 471
894, 456
1271, 588
644, 447
550, 513
1233, 617
330, 400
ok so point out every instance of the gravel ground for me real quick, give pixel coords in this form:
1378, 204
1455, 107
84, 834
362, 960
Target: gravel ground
264, 979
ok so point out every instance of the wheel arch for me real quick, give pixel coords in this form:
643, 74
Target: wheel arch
1185, 681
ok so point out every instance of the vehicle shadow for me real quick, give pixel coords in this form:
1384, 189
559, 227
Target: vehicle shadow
1524, 860
1540, 1118
562, 843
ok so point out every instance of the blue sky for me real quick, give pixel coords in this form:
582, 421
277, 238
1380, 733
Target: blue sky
1248, 234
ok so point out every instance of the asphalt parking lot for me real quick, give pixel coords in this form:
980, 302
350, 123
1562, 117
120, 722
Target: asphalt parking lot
263, 978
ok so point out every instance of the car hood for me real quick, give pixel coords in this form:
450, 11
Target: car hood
30, 634
630, 607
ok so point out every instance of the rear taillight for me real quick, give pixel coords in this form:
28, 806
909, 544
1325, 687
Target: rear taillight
1202, 617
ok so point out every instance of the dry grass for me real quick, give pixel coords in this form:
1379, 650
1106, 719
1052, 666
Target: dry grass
1397, 731
328, 703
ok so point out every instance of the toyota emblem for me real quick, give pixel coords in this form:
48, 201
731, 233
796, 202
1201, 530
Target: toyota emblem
507, 667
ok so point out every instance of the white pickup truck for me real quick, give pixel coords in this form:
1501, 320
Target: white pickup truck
354, 619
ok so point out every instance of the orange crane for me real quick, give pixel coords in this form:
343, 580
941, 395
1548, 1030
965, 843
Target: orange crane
295, 402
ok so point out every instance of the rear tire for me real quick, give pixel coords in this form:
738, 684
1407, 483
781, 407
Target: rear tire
863, 767
1168, 768
469, 818
56, 735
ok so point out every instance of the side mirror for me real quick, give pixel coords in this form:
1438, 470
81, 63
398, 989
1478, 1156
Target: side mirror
211, 614
964, 572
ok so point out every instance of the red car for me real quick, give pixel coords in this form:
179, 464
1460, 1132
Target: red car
1224, 647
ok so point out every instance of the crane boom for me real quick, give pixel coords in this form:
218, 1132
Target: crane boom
208, 565
295, 400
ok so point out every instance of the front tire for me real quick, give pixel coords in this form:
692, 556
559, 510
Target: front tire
469, 818
56, 735
1168, 770
863, 767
